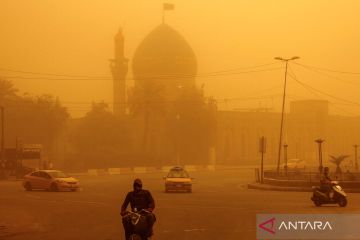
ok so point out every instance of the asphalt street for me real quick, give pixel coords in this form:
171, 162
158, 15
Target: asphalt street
220, 207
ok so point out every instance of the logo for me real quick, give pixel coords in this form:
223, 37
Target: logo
265, 225
305, 225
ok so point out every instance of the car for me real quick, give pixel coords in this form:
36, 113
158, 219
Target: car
50, 180
178, 179
295, 163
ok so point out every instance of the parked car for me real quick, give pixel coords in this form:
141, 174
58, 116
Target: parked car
50, 180
178, 179
296, 164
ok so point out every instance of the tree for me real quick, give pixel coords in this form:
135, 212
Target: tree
147, 100
36, 119
337, 161
33, 119
7, 91
194, 125
100, 137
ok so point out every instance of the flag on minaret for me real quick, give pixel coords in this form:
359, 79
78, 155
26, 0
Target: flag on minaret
168, 6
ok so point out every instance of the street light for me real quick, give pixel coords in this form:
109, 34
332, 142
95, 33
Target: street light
177, 140
286, 60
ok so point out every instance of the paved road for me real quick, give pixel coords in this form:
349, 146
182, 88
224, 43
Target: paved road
220, 207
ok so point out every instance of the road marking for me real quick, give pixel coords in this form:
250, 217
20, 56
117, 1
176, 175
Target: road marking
87, 202
194, 230
32, 197
201, 207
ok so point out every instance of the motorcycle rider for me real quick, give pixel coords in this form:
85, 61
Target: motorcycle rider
139, 199
325, 182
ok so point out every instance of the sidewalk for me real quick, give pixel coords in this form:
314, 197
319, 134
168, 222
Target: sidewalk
267, 187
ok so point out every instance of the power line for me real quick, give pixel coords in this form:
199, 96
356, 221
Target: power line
25, 104
328, 75
329, 70
142, 78
86, 77
324, 93
315, 92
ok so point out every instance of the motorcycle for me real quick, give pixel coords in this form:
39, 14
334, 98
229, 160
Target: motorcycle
139, 225
335, 196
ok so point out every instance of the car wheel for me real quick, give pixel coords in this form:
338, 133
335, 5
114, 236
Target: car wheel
342, 202
28, 186
54, 187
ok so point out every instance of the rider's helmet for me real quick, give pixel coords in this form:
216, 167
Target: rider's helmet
137, 185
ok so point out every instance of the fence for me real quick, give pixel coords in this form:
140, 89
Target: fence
309, 176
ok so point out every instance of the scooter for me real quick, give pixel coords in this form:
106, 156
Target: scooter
336, 195
138, 223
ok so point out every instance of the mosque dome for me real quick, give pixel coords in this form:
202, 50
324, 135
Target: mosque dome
164, 53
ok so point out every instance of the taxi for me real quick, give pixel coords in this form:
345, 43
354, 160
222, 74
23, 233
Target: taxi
178, 179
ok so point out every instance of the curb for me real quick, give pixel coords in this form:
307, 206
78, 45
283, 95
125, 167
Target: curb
267, 187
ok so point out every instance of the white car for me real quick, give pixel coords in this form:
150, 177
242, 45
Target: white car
296, 164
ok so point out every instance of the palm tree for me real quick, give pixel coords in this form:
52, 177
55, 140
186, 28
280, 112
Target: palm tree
7, 91
337, 161
146, 100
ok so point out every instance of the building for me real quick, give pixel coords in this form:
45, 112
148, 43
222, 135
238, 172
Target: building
239, 133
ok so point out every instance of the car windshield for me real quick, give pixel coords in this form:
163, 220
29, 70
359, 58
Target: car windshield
57, 174
178, 174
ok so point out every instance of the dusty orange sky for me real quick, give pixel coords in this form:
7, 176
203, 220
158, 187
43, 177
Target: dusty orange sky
75, 37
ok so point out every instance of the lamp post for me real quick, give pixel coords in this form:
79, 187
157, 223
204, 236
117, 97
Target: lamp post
319, 142
356, 159
177, 140
286, 60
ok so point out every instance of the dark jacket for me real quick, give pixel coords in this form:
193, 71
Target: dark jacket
141, 199
325, 179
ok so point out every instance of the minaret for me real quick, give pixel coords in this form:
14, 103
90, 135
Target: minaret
119, 68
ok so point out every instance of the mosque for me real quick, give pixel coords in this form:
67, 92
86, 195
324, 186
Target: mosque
165, 58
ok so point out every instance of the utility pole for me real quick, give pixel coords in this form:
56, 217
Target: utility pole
2, 155
356, 159
262, 150
2, 134
319, 142
286, 60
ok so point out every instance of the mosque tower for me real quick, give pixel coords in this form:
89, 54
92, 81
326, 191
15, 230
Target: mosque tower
119, 69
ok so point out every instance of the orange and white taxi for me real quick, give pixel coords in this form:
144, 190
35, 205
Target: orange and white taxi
178, 179
50, 180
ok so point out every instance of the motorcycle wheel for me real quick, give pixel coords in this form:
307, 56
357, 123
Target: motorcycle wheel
135, 237
317, 201
342, 202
